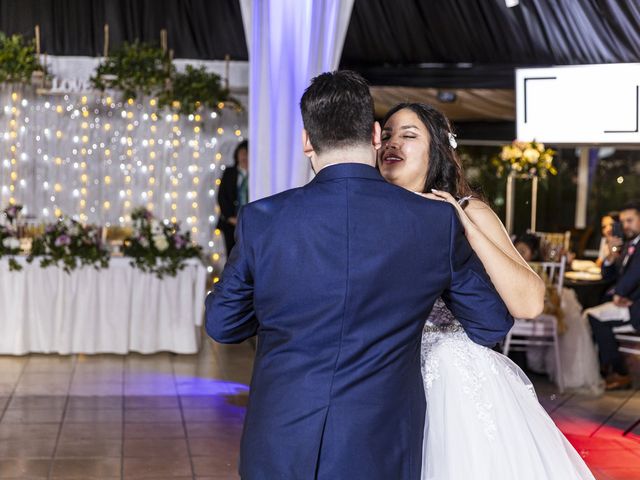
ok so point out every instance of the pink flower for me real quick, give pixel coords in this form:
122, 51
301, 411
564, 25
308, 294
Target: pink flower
62, 240
179, 241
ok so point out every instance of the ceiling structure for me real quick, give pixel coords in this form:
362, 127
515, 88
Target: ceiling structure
460, 51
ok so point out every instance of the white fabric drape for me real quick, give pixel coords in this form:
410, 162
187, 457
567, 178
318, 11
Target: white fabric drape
290, 42
117, 310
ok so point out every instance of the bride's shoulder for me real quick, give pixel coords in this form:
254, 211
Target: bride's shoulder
480, 209
488, 223
477, 204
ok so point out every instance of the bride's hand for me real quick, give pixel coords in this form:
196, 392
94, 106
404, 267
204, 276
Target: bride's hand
442, 196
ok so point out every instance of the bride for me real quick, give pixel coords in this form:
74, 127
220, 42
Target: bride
483, 418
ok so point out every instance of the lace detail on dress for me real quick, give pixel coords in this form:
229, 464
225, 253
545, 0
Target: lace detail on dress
442, 330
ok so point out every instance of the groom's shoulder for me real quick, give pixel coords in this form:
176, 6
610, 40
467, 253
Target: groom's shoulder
268, 206
419, 205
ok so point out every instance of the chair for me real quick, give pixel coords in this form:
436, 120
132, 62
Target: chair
542, 330
553, 245
629, 340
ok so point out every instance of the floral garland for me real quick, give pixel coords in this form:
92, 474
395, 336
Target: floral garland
529, 158
9, 241
158, 247
70, 244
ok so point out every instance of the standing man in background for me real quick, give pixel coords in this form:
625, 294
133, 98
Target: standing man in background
233, 193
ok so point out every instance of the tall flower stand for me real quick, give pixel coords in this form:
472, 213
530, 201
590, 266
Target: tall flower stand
511, 193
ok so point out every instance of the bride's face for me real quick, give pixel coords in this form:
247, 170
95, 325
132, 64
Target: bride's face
404, 156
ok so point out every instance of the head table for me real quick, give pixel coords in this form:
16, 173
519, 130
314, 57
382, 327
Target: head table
115, 310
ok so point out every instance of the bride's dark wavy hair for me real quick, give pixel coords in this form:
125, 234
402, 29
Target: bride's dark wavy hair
445, 169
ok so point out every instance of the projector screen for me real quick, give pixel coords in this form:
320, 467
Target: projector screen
584, 104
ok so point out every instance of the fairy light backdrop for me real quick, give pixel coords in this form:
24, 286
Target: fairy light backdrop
96, 157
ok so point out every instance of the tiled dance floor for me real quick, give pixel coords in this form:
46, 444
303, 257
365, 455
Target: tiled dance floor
180, 417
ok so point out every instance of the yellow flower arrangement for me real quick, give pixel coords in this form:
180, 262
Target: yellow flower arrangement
527, 158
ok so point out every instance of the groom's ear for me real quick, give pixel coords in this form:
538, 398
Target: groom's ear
376, 136
307, 148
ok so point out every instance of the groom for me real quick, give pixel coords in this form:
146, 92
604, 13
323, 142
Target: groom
337, 279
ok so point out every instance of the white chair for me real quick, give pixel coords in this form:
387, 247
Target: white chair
541, 331
630, 339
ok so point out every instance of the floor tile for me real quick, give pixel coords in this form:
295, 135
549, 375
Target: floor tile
24, 468
32, 415
155, 415
89, 447
154, 468
27, 432
90, 468
154, 430
34, 448
83, 415
71, 431
133, 402
215, 465
107, 402
40, 402
153, 447
202, 447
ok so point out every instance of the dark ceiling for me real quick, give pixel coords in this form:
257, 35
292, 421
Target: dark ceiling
435, 43
470, 46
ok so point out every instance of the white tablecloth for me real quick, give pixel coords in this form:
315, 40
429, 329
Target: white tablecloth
115, 310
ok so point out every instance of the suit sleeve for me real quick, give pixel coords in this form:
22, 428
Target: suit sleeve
471, 296
610, 271
230, 316
629, 282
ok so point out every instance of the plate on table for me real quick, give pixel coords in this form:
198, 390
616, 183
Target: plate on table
584, 276
584, 266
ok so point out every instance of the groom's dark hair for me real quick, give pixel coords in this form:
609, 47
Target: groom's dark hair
337, 111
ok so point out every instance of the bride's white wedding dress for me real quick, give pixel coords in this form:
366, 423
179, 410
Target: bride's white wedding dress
483, 418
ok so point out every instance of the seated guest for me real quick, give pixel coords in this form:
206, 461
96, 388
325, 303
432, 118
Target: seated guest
606, 227
233, 193
528, 245
622, 266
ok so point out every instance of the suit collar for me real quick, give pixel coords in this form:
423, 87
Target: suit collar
348, 170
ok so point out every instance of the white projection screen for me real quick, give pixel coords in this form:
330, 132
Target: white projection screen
584, 104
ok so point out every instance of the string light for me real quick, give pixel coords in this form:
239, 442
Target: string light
97, 158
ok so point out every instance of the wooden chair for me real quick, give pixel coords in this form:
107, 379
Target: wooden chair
541, 331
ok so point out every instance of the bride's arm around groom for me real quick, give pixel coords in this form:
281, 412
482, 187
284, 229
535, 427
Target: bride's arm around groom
471, 296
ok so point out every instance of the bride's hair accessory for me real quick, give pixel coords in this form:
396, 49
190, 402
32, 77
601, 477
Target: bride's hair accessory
464, 201
452, 140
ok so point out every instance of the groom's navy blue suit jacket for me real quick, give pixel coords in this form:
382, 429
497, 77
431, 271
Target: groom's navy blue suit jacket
337, 279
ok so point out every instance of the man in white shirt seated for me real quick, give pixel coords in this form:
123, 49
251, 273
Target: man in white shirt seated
622, 265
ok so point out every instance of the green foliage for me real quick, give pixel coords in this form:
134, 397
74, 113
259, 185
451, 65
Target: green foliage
9, 247
156, 247
193, 88
9, 241
18, 60
136, 68
141, 68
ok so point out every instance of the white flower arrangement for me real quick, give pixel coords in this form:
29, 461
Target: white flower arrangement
530, 158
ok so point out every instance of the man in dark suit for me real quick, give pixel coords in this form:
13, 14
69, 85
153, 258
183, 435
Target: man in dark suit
621, 266
337, 279
233, 193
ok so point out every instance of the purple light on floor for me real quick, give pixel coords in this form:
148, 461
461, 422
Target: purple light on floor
208, 386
